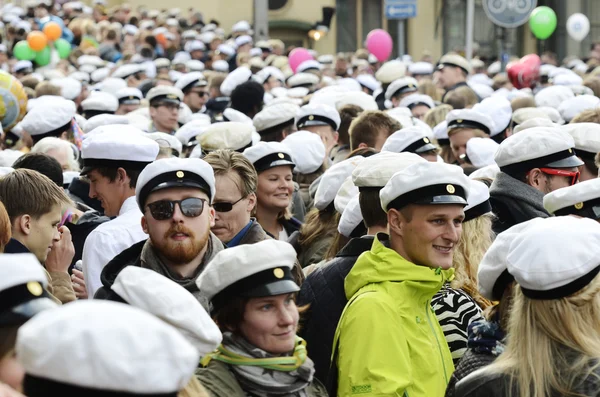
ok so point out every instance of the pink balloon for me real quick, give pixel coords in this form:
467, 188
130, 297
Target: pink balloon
380, 43
297, 56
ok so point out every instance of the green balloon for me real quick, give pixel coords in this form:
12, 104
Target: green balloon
63, 47
542, 22
43, 57
23, 52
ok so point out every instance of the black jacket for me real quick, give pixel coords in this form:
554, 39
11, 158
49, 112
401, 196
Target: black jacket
484, 383
129, 257
323, 290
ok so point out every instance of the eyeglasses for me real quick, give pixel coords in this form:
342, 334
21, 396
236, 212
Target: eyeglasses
574, 175
224, 206
190, 207
200, 93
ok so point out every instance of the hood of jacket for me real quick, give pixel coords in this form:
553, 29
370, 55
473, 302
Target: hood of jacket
382, 264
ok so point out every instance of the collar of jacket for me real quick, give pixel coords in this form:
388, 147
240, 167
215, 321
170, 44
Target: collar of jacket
356, 246
14, 246
382, 264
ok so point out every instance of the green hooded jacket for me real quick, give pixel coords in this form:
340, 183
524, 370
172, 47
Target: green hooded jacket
389, 342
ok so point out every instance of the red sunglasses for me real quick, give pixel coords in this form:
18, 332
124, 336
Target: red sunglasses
574, 175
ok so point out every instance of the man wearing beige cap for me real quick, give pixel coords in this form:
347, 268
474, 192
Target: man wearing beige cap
452, 72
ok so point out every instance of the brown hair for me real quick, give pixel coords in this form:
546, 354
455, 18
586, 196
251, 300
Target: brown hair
587, 116
8, 340
524, 102
28, 192
45, 88
428, 87
318, 224
30, 82
347, 114
436, 115
368, 125
224, 161
593, 83
500, 80
370, 208
5, 229
461, 98
339, 241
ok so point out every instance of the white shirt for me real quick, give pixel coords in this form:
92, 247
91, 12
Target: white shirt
110, 239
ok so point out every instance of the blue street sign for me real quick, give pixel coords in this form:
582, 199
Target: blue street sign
400, 9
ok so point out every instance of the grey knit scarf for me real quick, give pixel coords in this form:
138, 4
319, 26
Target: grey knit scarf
529, 198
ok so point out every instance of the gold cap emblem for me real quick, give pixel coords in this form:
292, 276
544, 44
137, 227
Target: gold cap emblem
311, 117
450, 189
570, 150
410, 85
180, 174
578, 206
172, 96
459, 121
34, 288
426, 140
280, 155
278, 272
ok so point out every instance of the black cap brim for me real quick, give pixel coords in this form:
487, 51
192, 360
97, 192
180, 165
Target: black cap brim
182, 183
569, 162
23, 312
445, 199
426, 148
275, 288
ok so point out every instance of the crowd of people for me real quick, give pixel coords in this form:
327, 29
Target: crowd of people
184, 214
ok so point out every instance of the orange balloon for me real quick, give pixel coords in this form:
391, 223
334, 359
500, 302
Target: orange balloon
36, 40
53, 31
162, 40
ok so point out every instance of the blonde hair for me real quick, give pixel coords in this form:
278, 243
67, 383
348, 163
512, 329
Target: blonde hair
428, 87
475, 240
552, 344
52, 143
224, 161
436, 115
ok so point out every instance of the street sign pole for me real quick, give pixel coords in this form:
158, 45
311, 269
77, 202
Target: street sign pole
401, 49
261, 20
469, 32
400, 10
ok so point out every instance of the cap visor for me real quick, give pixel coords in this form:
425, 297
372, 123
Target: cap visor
165, 101
569, 162
427, 148
278, 287
21, 313
182, 183
85, 171
446, 199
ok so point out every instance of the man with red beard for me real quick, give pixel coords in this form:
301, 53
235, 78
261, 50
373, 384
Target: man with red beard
175, 196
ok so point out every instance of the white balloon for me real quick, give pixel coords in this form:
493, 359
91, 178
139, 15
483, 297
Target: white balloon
578, 26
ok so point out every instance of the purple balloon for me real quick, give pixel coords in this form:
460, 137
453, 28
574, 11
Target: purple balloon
380, 43
297, 56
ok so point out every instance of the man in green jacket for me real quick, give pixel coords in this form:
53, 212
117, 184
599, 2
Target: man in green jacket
388, 340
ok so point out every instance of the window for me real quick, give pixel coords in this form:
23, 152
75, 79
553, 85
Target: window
277, 4
346, 25
371, 16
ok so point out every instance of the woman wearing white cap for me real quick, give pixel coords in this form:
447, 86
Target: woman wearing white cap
553, 345
459, 303
252, 293
274, 165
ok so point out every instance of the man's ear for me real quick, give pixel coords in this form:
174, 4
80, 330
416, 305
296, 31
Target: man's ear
251, 202
144, 224
23, 224
211, 215
122, 176
395, 222
535, 178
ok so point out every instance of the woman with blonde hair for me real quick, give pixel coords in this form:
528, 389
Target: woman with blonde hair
553, 344
437, 115
428, 87
459, 302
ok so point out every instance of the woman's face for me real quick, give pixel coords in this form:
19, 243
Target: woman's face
275, 188
11, 372
270, 323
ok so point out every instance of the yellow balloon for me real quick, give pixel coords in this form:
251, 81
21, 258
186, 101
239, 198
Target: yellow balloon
13, 101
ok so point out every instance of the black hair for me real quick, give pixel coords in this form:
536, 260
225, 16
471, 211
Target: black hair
111, 174
42, 163
248, 98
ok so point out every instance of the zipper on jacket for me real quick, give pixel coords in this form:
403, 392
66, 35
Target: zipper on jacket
427, 309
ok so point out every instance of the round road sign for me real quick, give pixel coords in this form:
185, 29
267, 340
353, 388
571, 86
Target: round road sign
508, 13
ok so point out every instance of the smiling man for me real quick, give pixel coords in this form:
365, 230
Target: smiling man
175, 196
113, 157
389, 342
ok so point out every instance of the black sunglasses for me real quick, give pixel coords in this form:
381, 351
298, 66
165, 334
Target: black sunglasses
190, 207
224, 206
